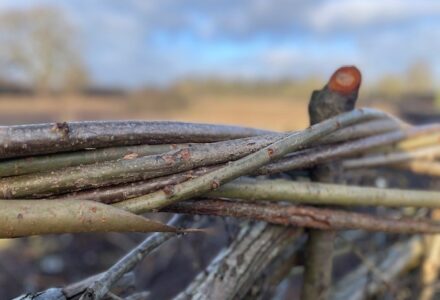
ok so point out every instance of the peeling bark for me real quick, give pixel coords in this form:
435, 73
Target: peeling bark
234, 270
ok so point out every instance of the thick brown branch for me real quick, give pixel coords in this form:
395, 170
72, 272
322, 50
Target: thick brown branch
303, 216
337, 97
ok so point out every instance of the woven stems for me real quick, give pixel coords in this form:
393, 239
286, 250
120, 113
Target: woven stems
245, 165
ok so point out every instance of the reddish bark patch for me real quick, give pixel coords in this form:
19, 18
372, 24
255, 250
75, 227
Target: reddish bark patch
169, 159
270, 151
131, 156
168, 190
345, 80
215, 184
61, 127
185, 154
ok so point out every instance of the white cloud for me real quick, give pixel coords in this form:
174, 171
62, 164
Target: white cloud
353, 14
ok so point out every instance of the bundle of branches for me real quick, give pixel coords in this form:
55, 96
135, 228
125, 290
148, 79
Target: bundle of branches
100, 176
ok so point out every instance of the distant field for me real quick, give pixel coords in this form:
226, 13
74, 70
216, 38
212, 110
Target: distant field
275, 113
270, 112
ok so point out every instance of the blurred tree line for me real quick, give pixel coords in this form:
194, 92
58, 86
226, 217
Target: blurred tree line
298, 88
416, 80
40, 49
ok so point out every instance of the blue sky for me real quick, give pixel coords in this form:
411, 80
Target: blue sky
131, 43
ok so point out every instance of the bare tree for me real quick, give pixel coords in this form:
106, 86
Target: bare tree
40, 47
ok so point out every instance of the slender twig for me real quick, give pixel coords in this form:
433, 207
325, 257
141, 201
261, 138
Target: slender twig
112, 296
421, 141
368, 263
121, 192
357, 284
27, 165
430, 168
25, 140
74, 290
138, 296
250, 163
99, 288
304, 216
324, 193
426, 153
363, 129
